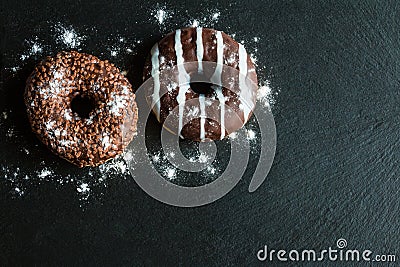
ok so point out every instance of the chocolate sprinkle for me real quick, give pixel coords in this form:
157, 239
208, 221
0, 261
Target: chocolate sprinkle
101, 132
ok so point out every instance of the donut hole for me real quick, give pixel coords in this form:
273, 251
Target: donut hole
202, 88
82, 105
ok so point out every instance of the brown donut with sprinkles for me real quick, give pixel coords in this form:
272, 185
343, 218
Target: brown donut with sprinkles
202, 114
82, 108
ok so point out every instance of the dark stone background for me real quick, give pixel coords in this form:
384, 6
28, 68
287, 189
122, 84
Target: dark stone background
335, 175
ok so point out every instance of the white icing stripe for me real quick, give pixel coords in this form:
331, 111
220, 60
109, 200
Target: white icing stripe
221, 99
200, 48
155, 65
216, 80
244, 91
183, 79
202, 116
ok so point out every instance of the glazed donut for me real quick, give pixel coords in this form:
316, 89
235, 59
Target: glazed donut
82, 108
175, 64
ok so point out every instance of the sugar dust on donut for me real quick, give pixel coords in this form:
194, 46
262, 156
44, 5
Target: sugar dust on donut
204, 80
82, 108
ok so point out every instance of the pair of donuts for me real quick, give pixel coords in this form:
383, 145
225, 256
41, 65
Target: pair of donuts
84, 110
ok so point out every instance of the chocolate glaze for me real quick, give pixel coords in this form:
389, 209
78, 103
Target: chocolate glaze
83, 139
234, 116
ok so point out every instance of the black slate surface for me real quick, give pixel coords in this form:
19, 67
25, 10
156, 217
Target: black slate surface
335, 174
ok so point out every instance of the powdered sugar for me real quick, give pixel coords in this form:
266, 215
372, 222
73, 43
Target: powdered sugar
117, 104
83, 188
44, 173
94, 177
54, 86
117, 45
67, 36
161, 14
34, 48
19, 191
210, 19
266, 96
163, 165
251, 135
67, 115
170, 173
113, 167
106, 141
65, 143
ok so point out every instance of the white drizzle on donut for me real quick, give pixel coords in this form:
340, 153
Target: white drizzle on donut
202, 116
156, 78
199, 55
183, 79
199, 48
216, 80
245, 94
244, 91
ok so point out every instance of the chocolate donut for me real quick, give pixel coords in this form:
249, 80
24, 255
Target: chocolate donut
82, 108
183, 58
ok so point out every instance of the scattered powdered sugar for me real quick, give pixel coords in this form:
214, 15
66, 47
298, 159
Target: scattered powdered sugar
54, 86
65, 143
114, 166
233, 135
67, 115
251, 135
34, 48
4, 115
171, 86
211, 169
266, 95
106, 141
19, 191
210, 18
22, 180
64, 35
161, 14
83, 188
117, 104
193, 112
203, 158
67, 36
216, 15
163, 165
44, 173
170, 173
118, 46
114, 51
253, 58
